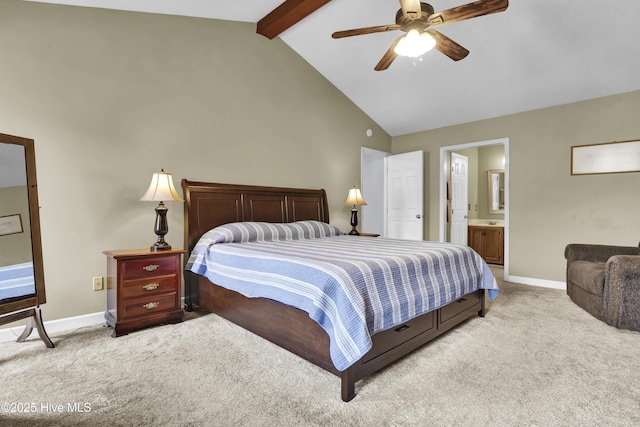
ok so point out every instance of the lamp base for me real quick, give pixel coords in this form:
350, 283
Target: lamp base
354, 222
160, 246
161, 228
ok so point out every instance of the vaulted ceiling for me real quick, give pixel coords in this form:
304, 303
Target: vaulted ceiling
536, 54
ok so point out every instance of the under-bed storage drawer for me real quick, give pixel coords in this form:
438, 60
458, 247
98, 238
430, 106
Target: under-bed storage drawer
386, 340
453, 309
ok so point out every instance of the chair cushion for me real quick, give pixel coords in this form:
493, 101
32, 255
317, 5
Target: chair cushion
588, 276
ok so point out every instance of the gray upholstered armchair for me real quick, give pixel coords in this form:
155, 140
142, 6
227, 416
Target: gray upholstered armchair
605, 281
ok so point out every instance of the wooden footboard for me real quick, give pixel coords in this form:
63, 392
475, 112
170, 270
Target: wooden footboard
294, 330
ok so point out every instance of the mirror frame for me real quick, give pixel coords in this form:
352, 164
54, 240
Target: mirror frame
29, 301
490, 172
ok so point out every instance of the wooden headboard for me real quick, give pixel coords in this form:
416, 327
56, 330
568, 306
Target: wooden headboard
208, 205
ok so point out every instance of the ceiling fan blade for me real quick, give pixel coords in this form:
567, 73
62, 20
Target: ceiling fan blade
468, 11
388, 57
366, 30
411, 9
447, 46
287, 15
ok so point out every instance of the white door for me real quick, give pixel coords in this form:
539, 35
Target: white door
405, 196
372, 183
459, 198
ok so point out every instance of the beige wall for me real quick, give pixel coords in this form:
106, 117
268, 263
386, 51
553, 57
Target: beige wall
111, 97
549, 208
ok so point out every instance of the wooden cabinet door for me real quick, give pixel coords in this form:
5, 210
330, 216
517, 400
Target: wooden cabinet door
493, 244
488, 242
476, 239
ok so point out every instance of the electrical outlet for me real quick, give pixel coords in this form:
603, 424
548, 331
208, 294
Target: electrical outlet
97, 284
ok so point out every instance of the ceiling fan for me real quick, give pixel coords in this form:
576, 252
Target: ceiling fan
415, 18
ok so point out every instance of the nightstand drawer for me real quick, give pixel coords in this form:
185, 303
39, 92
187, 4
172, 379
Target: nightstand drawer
149, 286
150, 305
152, 266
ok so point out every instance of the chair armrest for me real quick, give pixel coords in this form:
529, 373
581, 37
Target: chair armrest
596, 253
621, 297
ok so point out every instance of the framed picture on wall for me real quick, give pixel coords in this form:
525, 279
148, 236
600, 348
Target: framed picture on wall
10, 224
608, 157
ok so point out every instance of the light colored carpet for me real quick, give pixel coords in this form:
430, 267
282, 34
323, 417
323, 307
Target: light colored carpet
536, 359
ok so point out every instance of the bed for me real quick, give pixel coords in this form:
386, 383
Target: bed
16, 280
303, 325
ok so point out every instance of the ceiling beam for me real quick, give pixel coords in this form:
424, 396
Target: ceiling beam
287, 15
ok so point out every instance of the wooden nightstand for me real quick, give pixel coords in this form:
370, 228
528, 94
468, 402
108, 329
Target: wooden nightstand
143, 289
367, 235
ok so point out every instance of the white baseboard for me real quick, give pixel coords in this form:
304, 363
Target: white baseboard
537, 282
53, 326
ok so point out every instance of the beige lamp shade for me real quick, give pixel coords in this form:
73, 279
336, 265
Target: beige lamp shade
355, 198
161, 189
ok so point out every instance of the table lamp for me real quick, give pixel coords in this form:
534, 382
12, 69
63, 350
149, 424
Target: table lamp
354, 199
160, 190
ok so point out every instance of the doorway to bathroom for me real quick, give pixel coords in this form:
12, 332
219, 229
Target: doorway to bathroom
483, 160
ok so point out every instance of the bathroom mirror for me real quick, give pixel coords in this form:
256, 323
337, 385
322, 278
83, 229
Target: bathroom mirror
496, 191
22, 289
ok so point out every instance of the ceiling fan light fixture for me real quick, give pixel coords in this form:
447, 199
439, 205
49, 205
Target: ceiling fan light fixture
415, 44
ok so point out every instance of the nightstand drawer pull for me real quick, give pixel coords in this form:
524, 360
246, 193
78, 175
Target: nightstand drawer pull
151, 305
151, 267
151, 286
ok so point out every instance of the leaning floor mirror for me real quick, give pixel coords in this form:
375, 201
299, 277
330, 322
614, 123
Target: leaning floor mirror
22, 288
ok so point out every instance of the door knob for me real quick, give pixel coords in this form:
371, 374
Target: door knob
418, 216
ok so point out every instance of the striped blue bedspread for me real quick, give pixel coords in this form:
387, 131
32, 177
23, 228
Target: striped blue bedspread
352, 286
17, 280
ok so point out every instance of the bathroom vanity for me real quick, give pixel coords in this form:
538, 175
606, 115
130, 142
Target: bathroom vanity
486, 237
